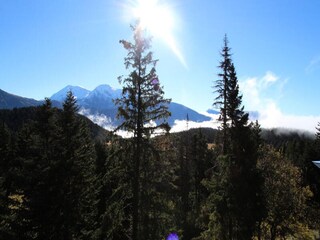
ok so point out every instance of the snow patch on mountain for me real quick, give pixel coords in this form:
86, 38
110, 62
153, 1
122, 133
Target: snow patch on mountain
105, 91
77, 91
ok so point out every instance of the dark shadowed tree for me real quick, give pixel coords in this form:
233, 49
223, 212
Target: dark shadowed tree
142, 108
76, 168
56, 175
7, 190
38, 154
235, 184
114, 190
221, 88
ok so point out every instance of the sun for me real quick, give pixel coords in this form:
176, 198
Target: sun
159, 19
154, 17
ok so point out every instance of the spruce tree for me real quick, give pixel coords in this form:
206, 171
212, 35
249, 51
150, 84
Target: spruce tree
236, 182
114, 190
37, 154
76, 166
142, 104
221, 88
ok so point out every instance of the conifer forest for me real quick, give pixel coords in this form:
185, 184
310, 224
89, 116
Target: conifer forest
64, 178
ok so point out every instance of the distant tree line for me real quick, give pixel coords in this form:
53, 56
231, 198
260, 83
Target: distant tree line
58, 181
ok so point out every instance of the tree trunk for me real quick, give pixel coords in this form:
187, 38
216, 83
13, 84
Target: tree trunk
137, 158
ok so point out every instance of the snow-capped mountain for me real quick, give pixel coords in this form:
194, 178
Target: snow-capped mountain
105, 91
77, 91
101, 98
97, 105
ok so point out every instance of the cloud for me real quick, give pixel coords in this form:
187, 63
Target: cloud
183, 125
254, 90
262, 94
100, 119
269, 78
251, 90
104, 122
313, 65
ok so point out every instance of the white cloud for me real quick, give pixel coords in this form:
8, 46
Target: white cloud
251, 90
254, 88
270, 114
183, 125
269, 78
313, 65
100, 119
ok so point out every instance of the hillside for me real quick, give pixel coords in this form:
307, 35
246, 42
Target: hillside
17, 117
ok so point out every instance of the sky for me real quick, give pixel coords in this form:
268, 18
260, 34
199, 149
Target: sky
46, 45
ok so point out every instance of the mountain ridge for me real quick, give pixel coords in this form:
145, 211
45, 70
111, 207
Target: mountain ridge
97, 104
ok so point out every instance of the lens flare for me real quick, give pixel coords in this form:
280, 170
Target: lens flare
159, 19
156, 84
173, 236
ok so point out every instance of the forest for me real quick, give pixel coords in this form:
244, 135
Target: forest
62, 177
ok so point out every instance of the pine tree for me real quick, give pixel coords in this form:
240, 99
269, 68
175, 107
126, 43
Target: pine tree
76, 166
221, 88
244, 151
114, 192
236, 184
37, 154
141, 105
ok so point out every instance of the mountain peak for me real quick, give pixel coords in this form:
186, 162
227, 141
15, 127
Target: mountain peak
105, 90
78, 92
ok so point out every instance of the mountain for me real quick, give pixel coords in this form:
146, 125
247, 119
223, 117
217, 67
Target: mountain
10, 101
181, 112
77, 91
101, 98
17, 117
212, 111
97, 105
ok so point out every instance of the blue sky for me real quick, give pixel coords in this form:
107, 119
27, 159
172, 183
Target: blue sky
46, 45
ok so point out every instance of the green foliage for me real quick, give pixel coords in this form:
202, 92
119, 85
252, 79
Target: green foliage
193, 159
7, 214
142, 97
114, 190
221, 88
235, 196
285, 196
51, 188
141, 105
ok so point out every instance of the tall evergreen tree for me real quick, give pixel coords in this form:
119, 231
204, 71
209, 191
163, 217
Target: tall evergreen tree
141, 104
236, 184
221, 88
76, 166
55, 180
38, 153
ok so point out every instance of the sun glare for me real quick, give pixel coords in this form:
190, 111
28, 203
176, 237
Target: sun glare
157, 18
154, 17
